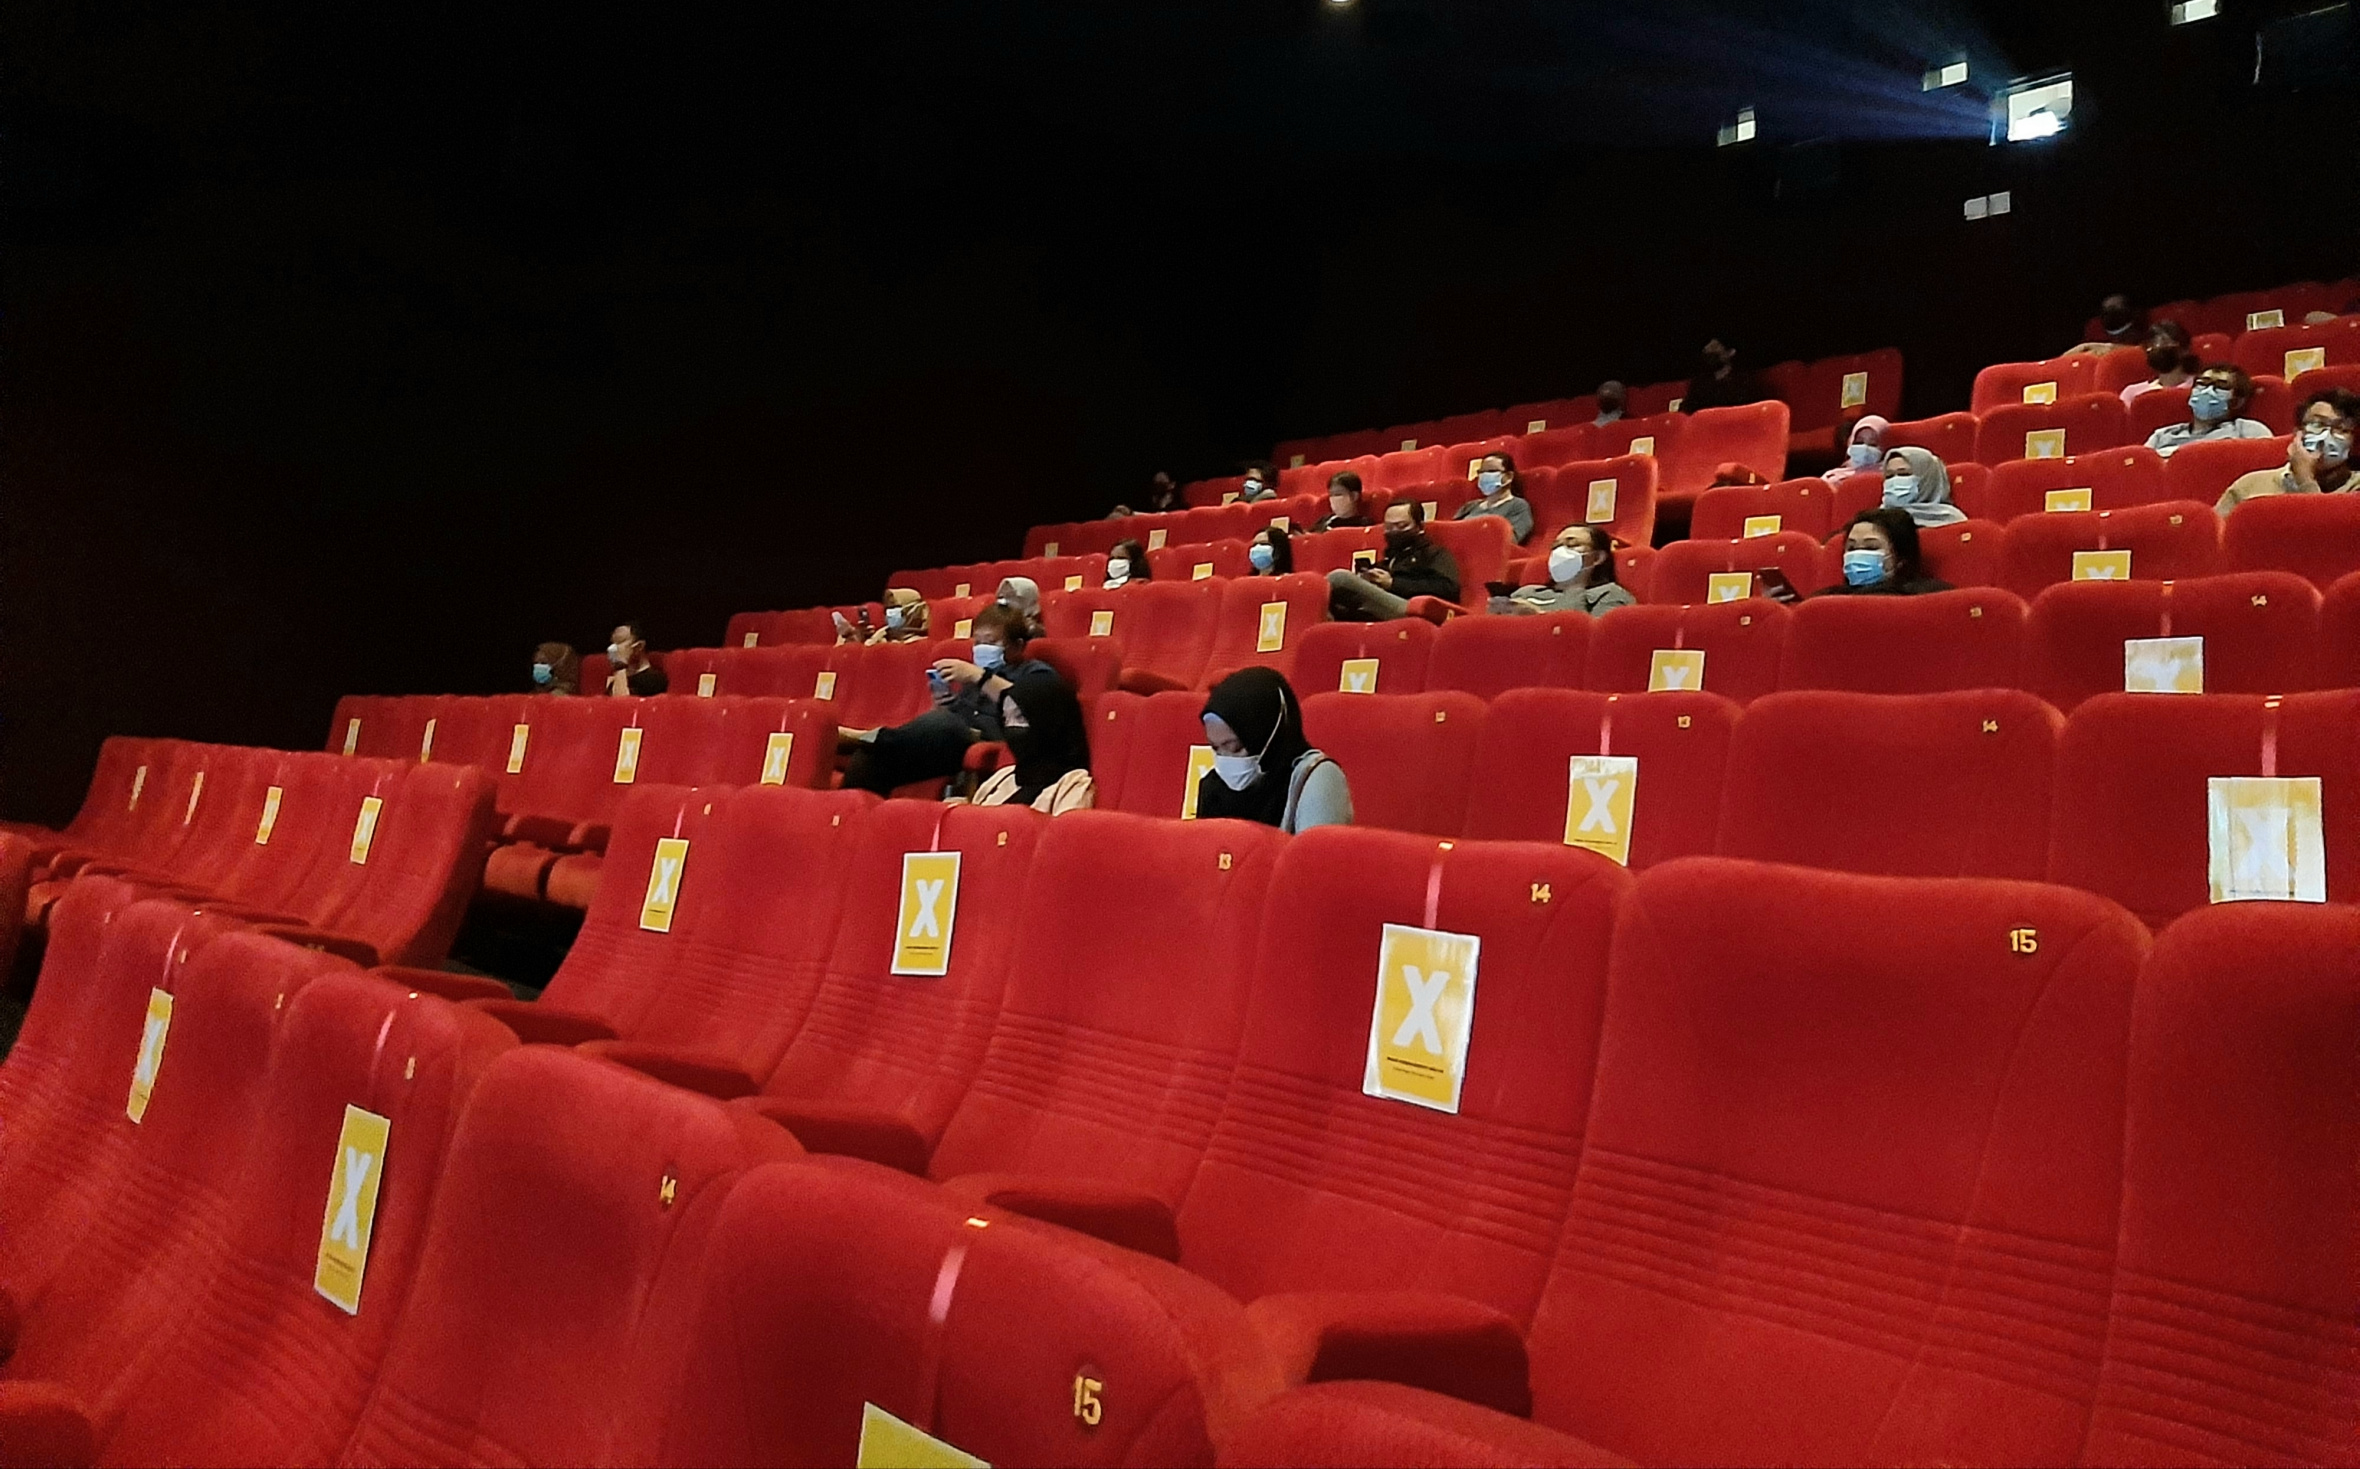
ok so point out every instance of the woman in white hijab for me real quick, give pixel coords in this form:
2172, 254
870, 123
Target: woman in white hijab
1023, 594
1917, 482
1864, 450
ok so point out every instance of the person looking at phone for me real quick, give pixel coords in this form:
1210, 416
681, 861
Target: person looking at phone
968, 695
1881, 558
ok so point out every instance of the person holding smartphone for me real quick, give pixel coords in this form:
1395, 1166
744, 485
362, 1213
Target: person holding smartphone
967, 708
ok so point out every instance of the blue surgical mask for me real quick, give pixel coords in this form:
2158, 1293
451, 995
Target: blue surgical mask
1862, 456
543, 673
2331, 447
1490, 481
1900, 489
1261, 555
1864, 568
2209, 403
893, 619
990, 656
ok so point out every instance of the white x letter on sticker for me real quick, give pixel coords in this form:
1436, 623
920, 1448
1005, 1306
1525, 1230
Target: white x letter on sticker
929, 894
348, 1215
667, 879
1599, 817
1675, 678
148, 1040
1420, 1022
2261, 867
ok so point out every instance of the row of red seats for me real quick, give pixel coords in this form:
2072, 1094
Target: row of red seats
356, 1224
1943, 1169
372, 859
2244, 311
2282, 355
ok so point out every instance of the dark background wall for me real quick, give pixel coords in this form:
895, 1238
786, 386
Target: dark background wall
358, 349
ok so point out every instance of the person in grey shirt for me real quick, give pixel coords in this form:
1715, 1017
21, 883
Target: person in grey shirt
1581, 578
1501, 495
2216, 408
1263, 768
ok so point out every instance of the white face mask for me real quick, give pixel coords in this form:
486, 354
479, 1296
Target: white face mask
614, 653
1566, 564
1237, 771
1118, 569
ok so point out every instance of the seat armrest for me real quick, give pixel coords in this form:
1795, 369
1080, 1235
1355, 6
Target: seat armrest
986, 756
694, 1071
545, 1025
823, 1126
344, 946
1424, 1339
1385, 1423
449, 986
1434, 609
43, 1423
1146, 681
1120, 1216
538, 830
591, 836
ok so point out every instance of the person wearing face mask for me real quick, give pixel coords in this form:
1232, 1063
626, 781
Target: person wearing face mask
1881, 558
1022, 594
1864, 448
1263, 768
1500, 493
2169, 357
1045, 731
967, 695
1261, 484
1271, 552
2216, 409
1347, 506
1612, 398
905, 618
630, 670
2119, 325
1918, 485
1127, 563
1413, 566
1581, 578
2318, 459
1718, 382
557, 669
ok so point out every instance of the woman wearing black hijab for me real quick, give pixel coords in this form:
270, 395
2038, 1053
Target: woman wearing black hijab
1042, 723
1263, 768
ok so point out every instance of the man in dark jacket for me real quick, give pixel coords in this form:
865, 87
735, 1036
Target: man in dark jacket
1719, 381
1412, 566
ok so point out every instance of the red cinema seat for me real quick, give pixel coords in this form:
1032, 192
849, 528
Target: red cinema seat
1878, 1222
2260, 633
1365, 657
2201, 472
1836, 390
1658, 434
1160, 730
1166, 630
2316, 537
1964, 554
1184, 563
1442, 1269
2163, 406
319, 800
1481, 546
883, 1060
2132, 786
605, 1185
351, 717
881, 685
1204, 493
1487, 656
1806, 506
946, 616
122, 767
1311, 477
1039, 540
1549, 416
749, 727
2339, 634
2018, 384
680, 741
1094, 1101
1409, 469
1559, 444
2117, 479
1753, 435
2248, 311
1741, 642
2069, 426
787, 672
2168, 541
2118, 369
1334, 550
1409, 757
1088, 665
1978, 805
1949, 437
1972, 638
2318, 379
404, 905
1654, 399
1525, 792
1578, 493
2234, 1293
211, 813
2292, 350
744, 629
1684, 569
1247, 633
697, 672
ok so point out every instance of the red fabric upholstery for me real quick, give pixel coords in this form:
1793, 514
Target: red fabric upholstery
1741, 643
2316, 537
1561, 497
1806, 506
1401, 649
1565, 441
1968, 639
2200, 472
1683, 569
1409, 757
2117, 479
1615, 440
1680, 740
1154, 752
2264, 350
1166, 628
1341, 1425
1976, 802
2131, 773
746, 727
2260, 631
2091, 422
2004, 384
2339, 634
1753, 434
1236, 628
1089, 665
1949, 437
2235, 1295
1481, 545
1486, 656
2167, 541
1426, 1339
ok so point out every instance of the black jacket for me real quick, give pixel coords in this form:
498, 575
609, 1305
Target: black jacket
1423, 569
1918, 588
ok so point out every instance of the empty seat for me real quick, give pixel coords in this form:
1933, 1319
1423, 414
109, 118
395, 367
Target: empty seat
2295, 348
405, 902
1526, 792
1166, 630
1486, 656
1409, 469
1617, 495
1976, 803
1261, 622
1949, 437
1561, 442
1834, 390
1195, 562
1365, 657
2018, 384
2166, 542
2116, 479
2339, 634
1806, 506
1740, 641
750, 732
1657, 432
2259, 632
1684, 569
1154, 775
2316, 537
2234, 1294
1753, 435
1481, 545
1409, 757
2133, 771
2201, 472
2069, 426
1967, 639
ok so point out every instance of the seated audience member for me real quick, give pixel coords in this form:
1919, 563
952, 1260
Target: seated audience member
1501, 493
1162, 496
1271, 551
2170, 357
1022, 594
1042, 723
905, 617
1581, 578
1261, 484
1881, 558
1718, 382
2318, 460
1263, 768
632, 673
1863, 450
2118, 326
1413, 566
1347, 506
557, 669
1918, 485
2216, 409
1127, 563
1612, 398
967, 694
